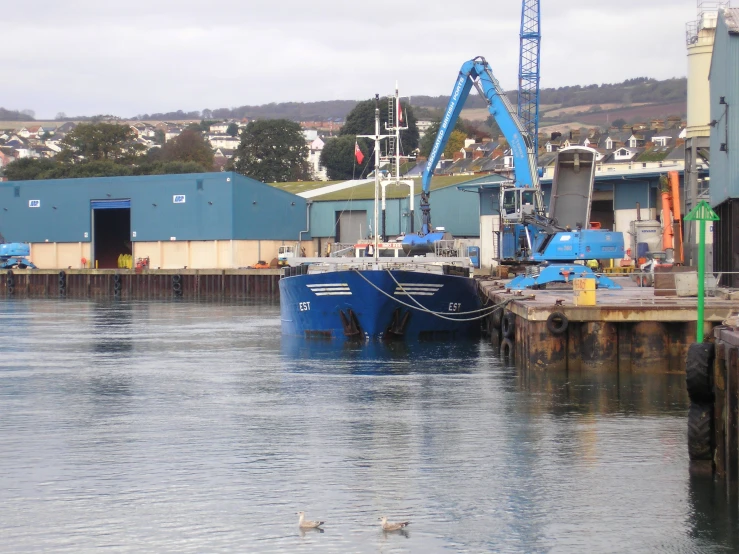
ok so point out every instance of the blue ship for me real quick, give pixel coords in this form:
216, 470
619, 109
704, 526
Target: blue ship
413, 289
379, 301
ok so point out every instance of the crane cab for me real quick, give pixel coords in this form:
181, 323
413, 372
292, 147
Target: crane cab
515, 203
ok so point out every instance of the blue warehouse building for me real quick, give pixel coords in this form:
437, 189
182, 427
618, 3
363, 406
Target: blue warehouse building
724, 187
203, 220
350, 218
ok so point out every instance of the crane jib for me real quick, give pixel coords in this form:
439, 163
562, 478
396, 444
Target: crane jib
457, 92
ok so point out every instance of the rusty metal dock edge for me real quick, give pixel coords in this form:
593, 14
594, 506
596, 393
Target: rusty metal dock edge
160, 284
628, 330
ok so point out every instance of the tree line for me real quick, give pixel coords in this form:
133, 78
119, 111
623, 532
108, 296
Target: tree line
636, 90
109, 149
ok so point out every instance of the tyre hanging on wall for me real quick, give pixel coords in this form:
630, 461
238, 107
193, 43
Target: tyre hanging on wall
700, 432
506, 349
698, 372
62, 282
557, 323
508, 325
177, 285
497, 318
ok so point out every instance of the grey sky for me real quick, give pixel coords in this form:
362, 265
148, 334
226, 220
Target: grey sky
85, 57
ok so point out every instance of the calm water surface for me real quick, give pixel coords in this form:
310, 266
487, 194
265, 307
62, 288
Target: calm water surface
175, 427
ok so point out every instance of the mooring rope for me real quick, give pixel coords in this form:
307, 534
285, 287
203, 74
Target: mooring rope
488, 310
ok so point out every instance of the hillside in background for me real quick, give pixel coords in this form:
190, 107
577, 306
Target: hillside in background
634, 99
13, 115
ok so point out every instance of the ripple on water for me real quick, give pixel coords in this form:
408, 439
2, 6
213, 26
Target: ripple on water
175, 427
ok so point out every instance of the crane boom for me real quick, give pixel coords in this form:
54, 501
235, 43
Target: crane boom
529, 235
478, 72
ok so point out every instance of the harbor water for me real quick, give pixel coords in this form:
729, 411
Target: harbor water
186, 427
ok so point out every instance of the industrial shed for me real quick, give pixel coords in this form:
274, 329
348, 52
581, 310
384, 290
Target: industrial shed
348, 216
200, 220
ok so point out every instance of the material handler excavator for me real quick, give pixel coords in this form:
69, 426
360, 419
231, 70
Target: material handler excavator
547, 246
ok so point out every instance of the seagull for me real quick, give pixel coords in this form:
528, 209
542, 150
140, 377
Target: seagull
389, 526
307, 524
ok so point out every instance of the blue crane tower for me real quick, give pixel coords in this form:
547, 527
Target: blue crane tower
528, 69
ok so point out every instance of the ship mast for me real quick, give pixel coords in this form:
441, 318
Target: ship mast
395, 125
377, 137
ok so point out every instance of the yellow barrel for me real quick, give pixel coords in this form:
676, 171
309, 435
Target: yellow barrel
584, 290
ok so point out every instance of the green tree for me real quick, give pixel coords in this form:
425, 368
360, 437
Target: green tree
28, 169
168, 168
427, 142
272, 150
233, 129
338, 158
455, 144
96, 168
100, 141
361, 121
205, 125
620, 122
159, 137
189, 146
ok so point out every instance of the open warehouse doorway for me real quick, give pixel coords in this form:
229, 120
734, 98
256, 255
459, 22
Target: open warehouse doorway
111, 232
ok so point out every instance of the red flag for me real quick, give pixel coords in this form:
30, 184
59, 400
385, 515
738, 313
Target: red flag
358, 153
400, 113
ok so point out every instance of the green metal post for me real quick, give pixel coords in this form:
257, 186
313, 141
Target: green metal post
701, 278
700, 214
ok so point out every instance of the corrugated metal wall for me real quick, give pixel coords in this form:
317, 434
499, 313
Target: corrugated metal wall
209, 206
726, 242
724, 78
261, 211
457, 211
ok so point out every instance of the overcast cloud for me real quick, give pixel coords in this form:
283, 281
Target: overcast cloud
85, 57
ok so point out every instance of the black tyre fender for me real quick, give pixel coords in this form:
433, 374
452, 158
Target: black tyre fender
10, 289
177, 287
700, 432
508, 325
698, 370
9, 273
117, 278
176, 279
557, 323
506, 349
496, 318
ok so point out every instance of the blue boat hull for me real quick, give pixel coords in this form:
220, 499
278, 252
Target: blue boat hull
368, 304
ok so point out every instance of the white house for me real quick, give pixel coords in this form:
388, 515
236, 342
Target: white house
314, 159
219, 128
224, 141
172, 134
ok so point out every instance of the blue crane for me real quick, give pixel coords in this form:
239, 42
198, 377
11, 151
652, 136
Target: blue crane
534, 238
528, 69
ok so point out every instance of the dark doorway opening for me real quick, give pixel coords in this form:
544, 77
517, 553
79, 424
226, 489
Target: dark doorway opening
602, 212
111, 236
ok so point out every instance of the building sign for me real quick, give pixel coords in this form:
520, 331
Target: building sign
34, 203
178, 199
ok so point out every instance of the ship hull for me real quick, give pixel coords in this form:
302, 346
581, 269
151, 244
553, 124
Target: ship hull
371, 304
